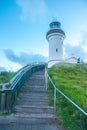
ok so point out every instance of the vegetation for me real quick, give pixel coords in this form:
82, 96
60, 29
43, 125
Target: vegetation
71, 80
6, 76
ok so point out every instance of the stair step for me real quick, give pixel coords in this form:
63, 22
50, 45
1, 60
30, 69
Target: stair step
32, 103
33, 91
34, 106
35, 118
41, 115
34, 88
39, 95
28, 111
37, 83
33, 99
33, 109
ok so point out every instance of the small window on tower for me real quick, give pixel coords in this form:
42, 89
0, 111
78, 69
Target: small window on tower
56, 49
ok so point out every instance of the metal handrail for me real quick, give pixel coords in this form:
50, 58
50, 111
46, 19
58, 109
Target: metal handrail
17, 77
65, 96
8, 94
72, 102
20, 71
14, 79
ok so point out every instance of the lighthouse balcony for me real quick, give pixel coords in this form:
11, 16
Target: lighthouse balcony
55, 35
55, 31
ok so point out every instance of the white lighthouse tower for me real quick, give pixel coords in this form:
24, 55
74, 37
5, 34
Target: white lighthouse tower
55, 37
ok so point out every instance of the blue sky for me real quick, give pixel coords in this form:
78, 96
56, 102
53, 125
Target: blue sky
23, 27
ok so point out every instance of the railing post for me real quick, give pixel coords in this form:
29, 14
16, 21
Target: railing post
3, 98
8, 101
54, 99
46, 77
3, 102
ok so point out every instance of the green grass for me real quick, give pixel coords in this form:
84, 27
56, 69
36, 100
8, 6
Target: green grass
71, 79
4, 114
6, 76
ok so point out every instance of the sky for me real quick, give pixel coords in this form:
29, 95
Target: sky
24, 24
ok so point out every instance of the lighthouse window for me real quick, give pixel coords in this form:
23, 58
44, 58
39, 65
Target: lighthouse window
56, 49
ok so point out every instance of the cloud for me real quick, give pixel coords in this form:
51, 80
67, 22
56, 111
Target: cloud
24, 58
80, 35
84, 42
32, 9
2, 69
84, 48
80, 48
77, 51
72, 50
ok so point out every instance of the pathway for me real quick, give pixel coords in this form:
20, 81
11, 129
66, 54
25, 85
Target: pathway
33, 110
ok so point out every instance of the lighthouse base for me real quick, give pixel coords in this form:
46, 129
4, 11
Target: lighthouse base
53, 62
72, 60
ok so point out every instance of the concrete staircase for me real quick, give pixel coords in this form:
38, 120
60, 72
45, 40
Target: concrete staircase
33, 102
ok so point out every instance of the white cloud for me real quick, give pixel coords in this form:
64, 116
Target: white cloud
74, 39
11, 66
84, 41
84, 27
6, 64
65, 55
23, 58
32, 8
84, 48
13, 61
77, 37
78, 46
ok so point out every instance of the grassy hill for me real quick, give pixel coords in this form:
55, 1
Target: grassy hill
71, 79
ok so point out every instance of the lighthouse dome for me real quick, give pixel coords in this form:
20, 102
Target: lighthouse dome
55, 24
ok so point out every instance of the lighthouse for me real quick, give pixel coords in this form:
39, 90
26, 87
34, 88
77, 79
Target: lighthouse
55, 37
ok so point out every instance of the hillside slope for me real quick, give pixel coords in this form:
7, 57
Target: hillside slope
72, 80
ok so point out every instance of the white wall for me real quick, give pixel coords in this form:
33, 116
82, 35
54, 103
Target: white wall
55, 47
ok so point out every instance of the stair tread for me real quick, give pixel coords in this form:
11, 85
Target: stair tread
37, 115
34, 106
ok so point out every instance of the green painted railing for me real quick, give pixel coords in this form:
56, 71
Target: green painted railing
9, 91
